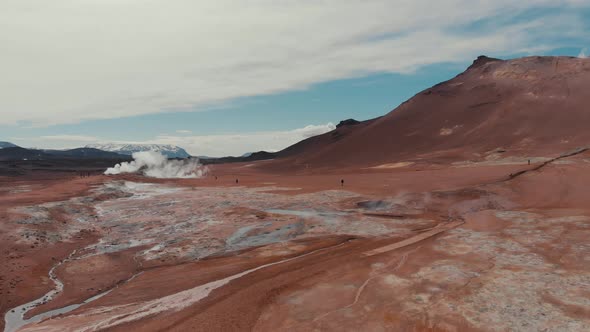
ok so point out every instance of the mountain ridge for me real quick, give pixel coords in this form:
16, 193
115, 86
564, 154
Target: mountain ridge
5, 144
170, 151
19, 153
525, 106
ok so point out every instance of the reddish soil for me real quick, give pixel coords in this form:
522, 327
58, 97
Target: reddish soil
26, 262
476, 227
453, 216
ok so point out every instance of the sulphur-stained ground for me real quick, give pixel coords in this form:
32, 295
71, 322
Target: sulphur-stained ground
480, 246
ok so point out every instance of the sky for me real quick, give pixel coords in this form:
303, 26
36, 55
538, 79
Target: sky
228, 77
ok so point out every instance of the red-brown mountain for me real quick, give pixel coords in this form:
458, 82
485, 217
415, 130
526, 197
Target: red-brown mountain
532, 106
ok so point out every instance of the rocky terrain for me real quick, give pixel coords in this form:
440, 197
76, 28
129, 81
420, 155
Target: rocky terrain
439, 216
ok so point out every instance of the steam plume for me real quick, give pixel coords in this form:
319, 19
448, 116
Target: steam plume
156, 165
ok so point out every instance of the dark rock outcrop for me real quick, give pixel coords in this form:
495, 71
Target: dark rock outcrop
347, 122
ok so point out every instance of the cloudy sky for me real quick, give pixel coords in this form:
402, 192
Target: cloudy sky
227, 77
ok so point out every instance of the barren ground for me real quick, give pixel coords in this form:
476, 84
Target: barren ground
407, 247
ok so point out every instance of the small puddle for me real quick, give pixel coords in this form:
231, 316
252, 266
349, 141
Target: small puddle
237, 235
374, 205
257, 235
329, 218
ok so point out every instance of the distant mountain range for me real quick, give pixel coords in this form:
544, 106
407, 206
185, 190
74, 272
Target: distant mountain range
170, 151
10, 151
13, 152
84, 153
7, 145
17, 153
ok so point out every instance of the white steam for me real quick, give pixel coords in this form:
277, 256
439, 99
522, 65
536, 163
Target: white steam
583, 54
156, 165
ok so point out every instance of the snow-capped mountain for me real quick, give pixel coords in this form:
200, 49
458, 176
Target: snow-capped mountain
170, 151
7, 145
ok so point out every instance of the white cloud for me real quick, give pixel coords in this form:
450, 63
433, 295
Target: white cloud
182, 131
582, 54
73, 138
314, 130
64, 61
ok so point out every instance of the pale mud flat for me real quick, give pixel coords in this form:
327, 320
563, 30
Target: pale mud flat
510, 254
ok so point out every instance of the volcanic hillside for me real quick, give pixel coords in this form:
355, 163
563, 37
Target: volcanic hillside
526, 107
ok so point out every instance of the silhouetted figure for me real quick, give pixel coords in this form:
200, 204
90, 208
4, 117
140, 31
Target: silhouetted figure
342, 183
237, 181
529, 161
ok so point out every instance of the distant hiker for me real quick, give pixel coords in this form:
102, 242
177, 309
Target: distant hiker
237, 181
342, 182
529, 161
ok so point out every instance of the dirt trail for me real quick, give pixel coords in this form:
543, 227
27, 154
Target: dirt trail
378, 273
443, 227
536, 168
